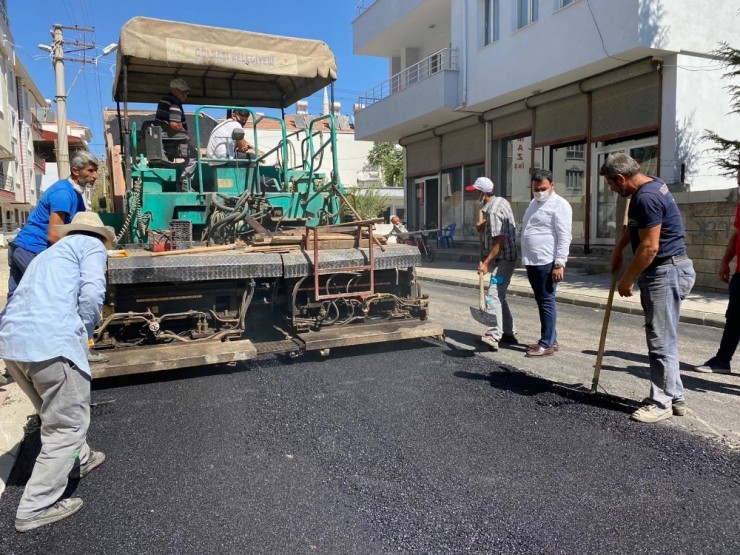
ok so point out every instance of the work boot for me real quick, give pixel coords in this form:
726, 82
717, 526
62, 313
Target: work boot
94, 460
59, 510
651, 413
489, 341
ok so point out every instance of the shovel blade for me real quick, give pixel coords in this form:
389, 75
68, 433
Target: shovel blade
482, 317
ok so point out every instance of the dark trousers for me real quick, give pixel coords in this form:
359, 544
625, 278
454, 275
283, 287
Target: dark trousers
731, 335
540, 278
18, 260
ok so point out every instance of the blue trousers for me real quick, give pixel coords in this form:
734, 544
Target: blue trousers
540, 278
661, 291
18, 260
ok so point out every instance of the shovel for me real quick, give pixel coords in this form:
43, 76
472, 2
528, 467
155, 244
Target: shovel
479, 314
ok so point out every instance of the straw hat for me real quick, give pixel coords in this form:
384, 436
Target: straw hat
90, 222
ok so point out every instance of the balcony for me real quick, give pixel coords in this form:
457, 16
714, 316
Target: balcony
39, 163
428, 90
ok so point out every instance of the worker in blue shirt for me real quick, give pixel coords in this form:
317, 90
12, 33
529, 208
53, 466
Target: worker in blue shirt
57, 206
44, 341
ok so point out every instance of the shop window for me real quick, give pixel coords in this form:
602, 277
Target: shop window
526, 12
452, 197
471, 206
568, 166
490, 21
517, 153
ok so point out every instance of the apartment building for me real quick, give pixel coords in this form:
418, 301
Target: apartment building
501, 87
19, 166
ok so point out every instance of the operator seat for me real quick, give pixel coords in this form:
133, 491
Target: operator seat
159, 148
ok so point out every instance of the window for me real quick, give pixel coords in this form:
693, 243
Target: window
574, 180
564, 3
576, 152
490, 21
526, 12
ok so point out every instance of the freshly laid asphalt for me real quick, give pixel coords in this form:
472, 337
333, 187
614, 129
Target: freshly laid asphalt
412, 448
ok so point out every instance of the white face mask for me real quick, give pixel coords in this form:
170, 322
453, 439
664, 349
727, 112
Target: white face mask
541, 196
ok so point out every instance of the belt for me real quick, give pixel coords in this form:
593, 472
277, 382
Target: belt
670, 260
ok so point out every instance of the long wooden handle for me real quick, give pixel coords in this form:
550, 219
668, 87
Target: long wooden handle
607, 312
602, 339
194, 250
482, 293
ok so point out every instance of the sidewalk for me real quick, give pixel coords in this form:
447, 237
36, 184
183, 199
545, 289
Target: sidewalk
579, 288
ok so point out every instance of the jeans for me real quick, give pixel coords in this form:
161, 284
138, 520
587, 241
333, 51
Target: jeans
540, 278
18, 260
60, 393
661, 291
496, 304
731, 335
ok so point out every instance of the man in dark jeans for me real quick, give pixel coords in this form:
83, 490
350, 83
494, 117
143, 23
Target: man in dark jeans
664, 274
720, 363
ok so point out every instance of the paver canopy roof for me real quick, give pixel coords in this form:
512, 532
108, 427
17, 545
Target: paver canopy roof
221, 66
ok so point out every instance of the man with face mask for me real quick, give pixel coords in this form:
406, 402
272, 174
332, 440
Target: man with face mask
57, 206
546, 236
499, 257
720, 363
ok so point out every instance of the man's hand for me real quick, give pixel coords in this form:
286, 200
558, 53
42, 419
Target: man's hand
625, 287
724, 271
483, 268
557, 274
480, 226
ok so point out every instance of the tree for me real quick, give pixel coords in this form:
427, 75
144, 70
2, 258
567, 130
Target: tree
727, 150
389, 159
370, 202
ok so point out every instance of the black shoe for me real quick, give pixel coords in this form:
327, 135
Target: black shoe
713, 366
510, 339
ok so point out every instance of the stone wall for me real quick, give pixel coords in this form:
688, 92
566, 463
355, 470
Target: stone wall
708, 217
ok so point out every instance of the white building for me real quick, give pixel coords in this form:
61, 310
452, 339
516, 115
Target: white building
499, 87
18, 129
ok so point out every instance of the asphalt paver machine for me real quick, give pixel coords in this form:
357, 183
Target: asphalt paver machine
262, 255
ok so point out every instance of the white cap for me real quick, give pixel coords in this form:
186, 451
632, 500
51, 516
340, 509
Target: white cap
481, 184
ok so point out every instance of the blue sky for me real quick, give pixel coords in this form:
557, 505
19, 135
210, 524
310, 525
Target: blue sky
327, 20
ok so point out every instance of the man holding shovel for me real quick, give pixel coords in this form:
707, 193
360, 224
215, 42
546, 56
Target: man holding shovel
498, 255
664, 274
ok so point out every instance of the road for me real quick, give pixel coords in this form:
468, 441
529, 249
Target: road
419, 447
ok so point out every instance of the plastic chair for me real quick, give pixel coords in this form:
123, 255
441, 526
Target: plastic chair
446, 237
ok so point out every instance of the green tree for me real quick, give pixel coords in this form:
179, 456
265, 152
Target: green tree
370, 202
727, 151
389, 159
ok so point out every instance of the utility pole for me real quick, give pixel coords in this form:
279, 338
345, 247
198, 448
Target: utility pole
58, 57
61, 95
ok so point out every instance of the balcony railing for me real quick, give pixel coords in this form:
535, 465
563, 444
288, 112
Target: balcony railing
6, 182
362, 5
445, 59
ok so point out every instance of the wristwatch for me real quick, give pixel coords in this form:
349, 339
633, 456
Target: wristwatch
557, 266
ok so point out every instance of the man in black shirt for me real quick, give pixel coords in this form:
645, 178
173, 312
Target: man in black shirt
171, 117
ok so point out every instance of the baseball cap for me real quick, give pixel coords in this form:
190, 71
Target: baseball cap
481, 184
180, 84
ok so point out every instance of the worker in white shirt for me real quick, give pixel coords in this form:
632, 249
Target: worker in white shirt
546, 236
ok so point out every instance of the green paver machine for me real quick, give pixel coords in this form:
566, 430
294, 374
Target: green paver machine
259, 256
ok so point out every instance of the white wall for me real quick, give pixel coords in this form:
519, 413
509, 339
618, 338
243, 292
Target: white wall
352, 154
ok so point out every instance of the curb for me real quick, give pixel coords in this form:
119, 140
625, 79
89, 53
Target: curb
567, 297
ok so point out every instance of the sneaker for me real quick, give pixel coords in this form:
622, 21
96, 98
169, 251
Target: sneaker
94, 356
536, 346
59, 510
713, 366
94, 460
678, 407
540, 351
651, 413
509, 338
490, 341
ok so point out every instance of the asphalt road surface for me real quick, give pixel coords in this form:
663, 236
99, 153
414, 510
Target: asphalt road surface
418, 447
